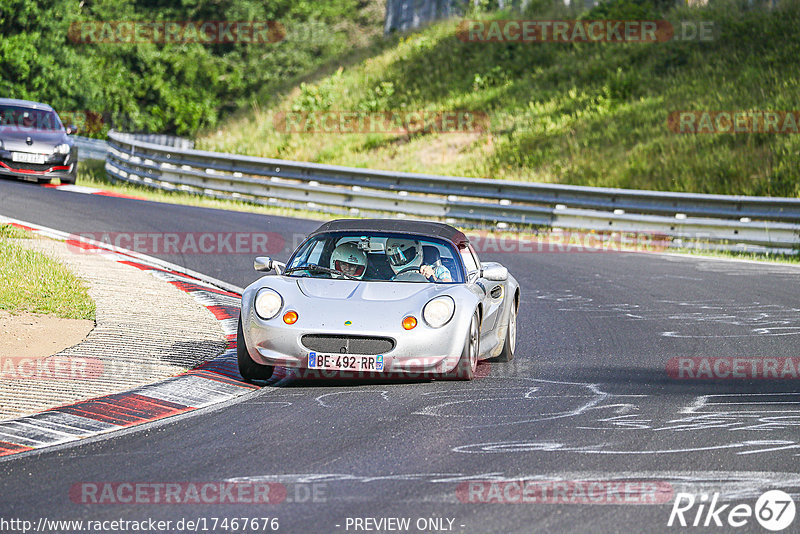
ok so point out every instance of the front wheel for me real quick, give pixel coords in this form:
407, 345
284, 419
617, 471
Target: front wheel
465, 368
72, 177
249, 369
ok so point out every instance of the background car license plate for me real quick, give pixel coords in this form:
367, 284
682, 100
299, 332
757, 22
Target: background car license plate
24, 157
345, 362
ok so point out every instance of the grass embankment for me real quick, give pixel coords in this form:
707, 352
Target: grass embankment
580, 113
33, 282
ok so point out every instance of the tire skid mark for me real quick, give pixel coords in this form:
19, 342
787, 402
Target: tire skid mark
731, 485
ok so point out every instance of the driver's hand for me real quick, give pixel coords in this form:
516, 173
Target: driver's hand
426, 270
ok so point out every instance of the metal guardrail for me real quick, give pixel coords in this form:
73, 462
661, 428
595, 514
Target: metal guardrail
89, 148
403, 15
751, 223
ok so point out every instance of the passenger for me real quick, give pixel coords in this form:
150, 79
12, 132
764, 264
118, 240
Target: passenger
349, 259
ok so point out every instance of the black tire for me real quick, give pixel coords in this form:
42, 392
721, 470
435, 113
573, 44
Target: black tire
72, 176
465, 368
249, 369
510, 344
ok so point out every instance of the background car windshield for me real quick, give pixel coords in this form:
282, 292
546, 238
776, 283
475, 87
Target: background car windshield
388, 257
35, 119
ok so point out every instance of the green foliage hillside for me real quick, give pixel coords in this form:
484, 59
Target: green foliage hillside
168, 87
576, 113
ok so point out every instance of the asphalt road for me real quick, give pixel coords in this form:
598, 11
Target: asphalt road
588, 398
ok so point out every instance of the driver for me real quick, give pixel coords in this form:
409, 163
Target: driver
404, 255
349, 259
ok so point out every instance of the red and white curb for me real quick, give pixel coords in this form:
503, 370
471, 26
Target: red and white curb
72, 188
210, 383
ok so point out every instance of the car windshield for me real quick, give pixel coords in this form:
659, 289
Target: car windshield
29, 118
377, 257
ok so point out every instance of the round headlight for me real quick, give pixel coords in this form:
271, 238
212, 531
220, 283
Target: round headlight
439, 311
63, 148
268, 303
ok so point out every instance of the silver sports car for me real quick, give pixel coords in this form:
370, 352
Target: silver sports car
377, 297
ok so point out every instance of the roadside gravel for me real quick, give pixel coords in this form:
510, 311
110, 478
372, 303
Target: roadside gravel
146, 330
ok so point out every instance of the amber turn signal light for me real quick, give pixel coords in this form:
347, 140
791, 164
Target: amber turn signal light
290, 317
409, 322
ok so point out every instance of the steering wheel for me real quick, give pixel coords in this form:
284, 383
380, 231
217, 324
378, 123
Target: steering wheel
406, 270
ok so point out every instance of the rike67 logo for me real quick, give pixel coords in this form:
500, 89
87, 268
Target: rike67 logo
774, 511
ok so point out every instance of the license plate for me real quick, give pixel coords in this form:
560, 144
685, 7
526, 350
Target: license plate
345, 362
24, 157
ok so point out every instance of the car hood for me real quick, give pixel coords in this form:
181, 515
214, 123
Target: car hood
43, 141
329, 305
368, 291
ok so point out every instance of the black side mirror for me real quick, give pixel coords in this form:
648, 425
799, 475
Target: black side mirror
71, 129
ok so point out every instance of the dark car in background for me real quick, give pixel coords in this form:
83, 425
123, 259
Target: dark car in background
34, 144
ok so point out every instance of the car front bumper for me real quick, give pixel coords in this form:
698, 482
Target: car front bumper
421, 351
62, 167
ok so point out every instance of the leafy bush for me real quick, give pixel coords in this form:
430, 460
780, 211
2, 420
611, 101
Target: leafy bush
176, 88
